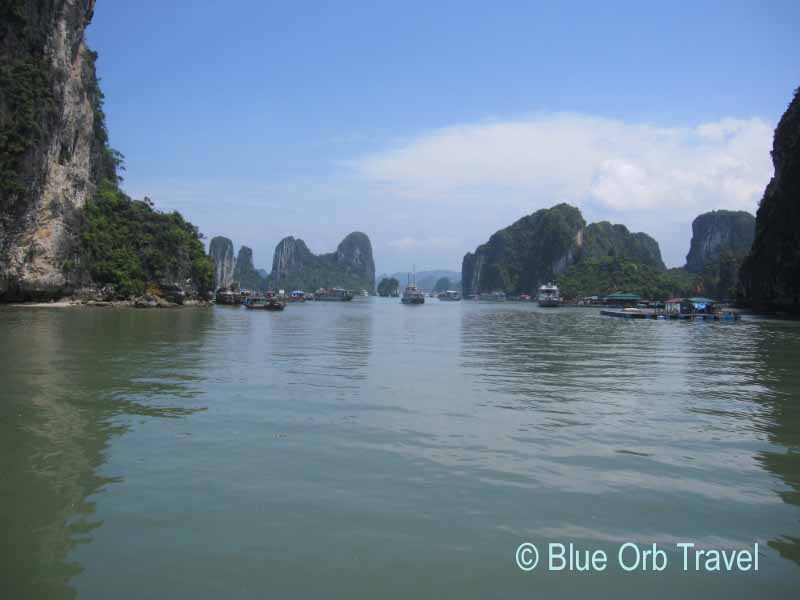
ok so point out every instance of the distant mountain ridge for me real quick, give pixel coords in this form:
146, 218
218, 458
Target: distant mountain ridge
426, 280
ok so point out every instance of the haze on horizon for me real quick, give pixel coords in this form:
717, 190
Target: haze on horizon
429, 127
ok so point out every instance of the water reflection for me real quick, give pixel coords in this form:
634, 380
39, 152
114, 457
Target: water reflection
67, 378
778, 357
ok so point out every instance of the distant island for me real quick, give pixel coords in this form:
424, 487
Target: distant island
294, 266
556, 245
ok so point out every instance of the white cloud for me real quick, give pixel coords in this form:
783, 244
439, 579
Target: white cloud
578, 158
654, 178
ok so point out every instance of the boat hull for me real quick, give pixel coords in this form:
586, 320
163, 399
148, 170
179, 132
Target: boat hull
412, 300
549, 303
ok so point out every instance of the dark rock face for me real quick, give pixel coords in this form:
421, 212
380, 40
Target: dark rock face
245, 273
221, 252
350, 266
52, 143
769, 278
718, 232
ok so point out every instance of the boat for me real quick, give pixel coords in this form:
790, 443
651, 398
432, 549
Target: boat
548, 295
492, 297
364, 294
265, 303
333, 295
412, 294
297, 296
450, 296
226, 296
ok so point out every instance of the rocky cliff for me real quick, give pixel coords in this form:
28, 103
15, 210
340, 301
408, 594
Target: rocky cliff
350, 266
718, 232
769, 278
555, 244
245, 273
52, 143
220, 249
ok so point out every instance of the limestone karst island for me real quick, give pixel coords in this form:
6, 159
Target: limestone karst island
420, 300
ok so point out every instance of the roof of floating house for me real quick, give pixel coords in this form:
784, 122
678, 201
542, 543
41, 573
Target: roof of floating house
675, 300
622, 296
700, 299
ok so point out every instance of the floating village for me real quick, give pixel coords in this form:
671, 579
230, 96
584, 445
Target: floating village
623, 305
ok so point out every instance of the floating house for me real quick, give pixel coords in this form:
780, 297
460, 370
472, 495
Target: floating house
622, 299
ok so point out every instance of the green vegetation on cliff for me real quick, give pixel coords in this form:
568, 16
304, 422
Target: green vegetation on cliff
609, 274
26, 101
520, 257
130, 245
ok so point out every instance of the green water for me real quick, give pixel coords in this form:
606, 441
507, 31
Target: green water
375, 450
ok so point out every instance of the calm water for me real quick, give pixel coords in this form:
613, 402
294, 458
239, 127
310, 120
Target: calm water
374, 450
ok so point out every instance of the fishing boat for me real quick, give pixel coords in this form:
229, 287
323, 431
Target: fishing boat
450, 296
265, 303
548, 295
333, 295
412, 294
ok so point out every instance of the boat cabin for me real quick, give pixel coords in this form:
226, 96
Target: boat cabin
689, 306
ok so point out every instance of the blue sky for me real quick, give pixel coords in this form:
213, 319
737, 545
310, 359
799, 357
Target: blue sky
429, 125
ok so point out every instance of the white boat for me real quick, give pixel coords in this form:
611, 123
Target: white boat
548, 295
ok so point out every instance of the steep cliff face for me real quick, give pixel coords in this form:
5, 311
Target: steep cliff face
769, 278
350, 266
718, 232
52, 143
245, 273
221, 252
520, 257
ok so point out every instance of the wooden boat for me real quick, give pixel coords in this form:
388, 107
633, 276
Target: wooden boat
333, 295
265, 303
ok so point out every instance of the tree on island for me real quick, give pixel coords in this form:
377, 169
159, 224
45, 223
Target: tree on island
388, 287
442, 285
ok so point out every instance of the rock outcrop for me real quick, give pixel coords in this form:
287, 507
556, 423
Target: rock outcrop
556, 244
719, 232
221, 252
351, 265
529, 252
769, 278
245, 273
52, 143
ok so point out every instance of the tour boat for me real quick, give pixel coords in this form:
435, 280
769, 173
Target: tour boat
450, 296
548, 295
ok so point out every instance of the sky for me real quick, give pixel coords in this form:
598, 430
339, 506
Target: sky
430, 125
